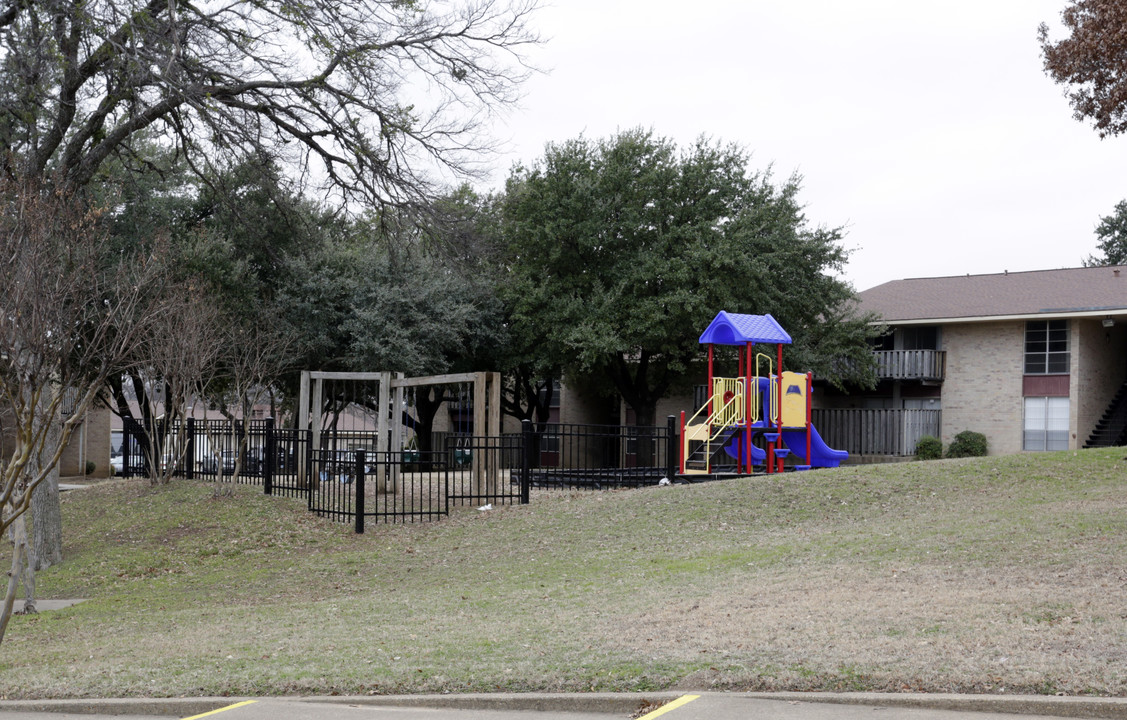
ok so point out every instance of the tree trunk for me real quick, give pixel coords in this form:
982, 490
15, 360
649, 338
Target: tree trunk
644, 414
47, 523
23, 569
17, 530
46, 513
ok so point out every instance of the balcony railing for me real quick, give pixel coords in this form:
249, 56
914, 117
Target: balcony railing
911, 364
863, 431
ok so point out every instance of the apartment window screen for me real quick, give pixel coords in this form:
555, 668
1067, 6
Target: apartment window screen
1046, 347
1046, 423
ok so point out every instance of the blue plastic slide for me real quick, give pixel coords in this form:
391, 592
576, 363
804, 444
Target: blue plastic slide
735, 449
821, 455
795, 440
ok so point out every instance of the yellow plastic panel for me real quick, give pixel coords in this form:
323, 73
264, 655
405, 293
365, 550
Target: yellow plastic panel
794, 399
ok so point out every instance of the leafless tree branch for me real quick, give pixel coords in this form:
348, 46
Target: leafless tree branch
369, 95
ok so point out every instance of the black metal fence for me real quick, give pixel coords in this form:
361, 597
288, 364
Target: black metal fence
599, 456
345, 479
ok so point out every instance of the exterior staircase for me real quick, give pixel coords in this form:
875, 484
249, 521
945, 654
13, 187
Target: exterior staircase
1111, 430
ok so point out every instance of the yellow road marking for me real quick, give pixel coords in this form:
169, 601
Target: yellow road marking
683, 700
222, 709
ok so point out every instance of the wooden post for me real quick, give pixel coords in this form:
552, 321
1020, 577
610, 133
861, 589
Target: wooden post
302, 425
493, 385
315, 413
383, 439
480, 423
398, 407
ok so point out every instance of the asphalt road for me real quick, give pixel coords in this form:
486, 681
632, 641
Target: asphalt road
702, 706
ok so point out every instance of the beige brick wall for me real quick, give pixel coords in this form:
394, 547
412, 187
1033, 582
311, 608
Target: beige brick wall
982, 391
1099, 367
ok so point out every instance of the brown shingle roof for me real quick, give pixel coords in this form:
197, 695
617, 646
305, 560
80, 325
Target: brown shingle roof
1069, 291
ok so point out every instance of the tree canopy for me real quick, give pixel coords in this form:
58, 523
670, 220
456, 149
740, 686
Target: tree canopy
364, 303
1092, 62
622, 250
364, 95
1112, 233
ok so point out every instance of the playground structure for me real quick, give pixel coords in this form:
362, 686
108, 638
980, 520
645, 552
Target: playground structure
774, 404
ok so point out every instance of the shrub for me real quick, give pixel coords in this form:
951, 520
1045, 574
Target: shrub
929, 447
967, 444
90, 467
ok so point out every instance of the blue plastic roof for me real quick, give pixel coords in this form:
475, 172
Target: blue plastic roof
735, 329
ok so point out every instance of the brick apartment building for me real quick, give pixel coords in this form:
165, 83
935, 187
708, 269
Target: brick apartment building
1034, 360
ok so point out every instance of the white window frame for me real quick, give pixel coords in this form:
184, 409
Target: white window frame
1045, 423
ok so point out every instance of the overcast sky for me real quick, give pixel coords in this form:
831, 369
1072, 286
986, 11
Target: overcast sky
928, 130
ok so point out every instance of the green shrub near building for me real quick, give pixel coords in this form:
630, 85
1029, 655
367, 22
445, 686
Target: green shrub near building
967, 444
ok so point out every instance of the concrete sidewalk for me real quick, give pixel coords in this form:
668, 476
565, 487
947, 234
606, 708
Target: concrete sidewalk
709, 706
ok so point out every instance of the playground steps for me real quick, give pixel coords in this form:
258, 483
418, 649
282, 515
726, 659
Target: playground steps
1111, 430
697, 432
697, 459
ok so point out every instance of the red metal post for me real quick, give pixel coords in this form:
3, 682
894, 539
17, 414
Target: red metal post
708, 388
748, 394
809, 413
779, 405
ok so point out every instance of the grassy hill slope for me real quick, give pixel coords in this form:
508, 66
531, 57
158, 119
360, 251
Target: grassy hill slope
980, 575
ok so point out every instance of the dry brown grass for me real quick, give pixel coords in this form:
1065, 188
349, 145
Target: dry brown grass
989, 575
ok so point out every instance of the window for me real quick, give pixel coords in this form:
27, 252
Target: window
1046, 423
1046, 347
919, 338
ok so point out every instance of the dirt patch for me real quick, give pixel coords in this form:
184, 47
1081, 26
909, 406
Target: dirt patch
924, 628
45, 605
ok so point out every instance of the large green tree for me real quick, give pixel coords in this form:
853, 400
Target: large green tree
1112, 234
622, 250
367, 302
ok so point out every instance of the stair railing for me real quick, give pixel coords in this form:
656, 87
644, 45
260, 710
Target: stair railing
726, 406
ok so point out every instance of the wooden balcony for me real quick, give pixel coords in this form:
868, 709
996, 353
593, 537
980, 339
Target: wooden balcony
865, 432
925, 365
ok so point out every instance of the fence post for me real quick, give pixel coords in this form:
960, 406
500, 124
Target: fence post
268, 452
525, 460
191, 451
313, 482
359, 507
671, 447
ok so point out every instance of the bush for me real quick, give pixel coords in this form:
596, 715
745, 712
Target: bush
967, 444
90, 467
929, 447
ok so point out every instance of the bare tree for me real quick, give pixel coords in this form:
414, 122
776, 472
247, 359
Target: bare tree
71, 312
178, 362
255, 355
368, 95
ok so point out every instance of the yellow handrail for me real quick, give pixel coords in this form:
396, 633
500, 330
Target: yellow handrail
774, 388
727, 401
725, 409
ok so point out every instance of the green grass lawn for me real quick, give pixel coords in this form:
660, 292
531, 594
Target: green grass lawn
979, 575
